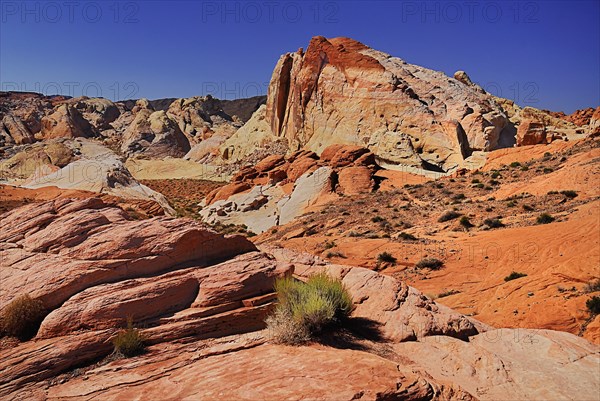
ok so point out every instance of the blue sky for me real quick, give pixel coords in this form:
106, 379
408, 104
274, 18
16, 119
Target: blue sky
544, 54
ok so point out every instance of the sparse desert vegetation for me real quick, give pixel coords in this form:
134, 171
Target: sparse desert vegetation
21, 317
429, 263
129, 342
304, 309
514, 275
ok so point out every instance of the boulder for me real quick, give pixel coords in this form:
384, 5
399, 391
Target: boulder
155, 135
13, 131
355, 180
342, 155
66, 122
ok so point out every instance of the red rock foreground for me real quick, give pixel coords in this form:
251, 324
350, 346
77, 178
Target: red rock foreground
202, 298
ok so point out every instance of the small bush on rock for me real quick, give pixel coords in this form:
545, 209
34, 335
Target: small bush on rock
129, 342
545, 218
514, 276
449, 215
465, 222
592, 286
22, 317
593, 305
429, 263
386, 257
305, 309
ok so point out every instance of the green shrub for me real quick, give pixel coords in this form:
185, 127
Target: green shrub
495, 174
511, 203
548, 170
475, 181
129, 342
545, 218
335, 254
493, 223
464, 221
429, 263
524, 168
386, 257
494, 182
449, 215
569, 194
592, 286
514, 275
593, 305
515, 164
22, 317
407, 236
305, 309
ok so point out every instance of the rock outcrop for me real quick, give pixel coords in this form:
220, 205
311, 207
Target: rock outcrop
66, 122
341, 91
539, 127
277, 189
80, 164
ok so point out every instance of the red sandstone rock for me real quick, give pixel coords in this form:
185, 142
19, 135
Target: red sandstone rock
355, 180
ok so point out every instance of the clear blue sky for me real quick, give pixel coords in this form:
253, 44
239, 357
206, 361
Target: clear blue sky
540, 53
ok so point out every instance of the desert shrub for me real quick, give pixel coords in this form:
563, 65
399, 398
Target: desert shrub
592, 286
545, 218
129, 342
552, 192
386, 257
528, 208
335, 254
305, 309
495, 174
459, 197
593, 305
493, 223
547, 170
494, 182
448, 293
429, 263
329, 244
353, 234
449, 215
515, 164
407, 236
524, 168
465, 222
22, 317
475, 181
569, 194
511, 203
480, 185
377, 219
514, 275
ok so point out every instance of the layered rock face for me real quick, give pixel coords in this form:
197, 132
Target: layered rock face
341, 91
202, 298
